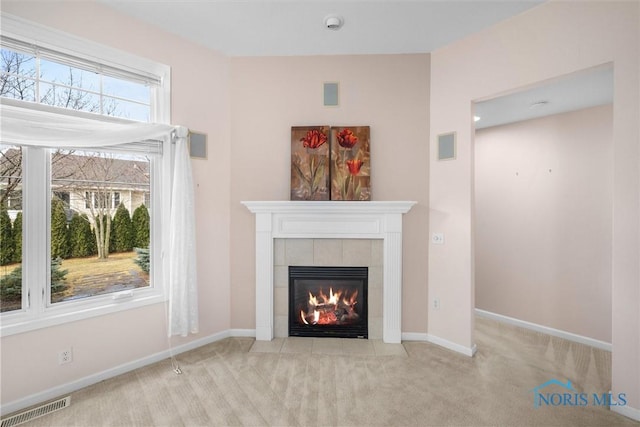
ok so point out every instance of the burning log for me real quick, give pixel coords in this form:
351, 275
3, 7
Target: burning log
330, 310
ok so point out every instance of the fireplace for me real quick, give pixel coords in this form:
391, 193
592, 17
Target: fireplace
328, 302
329, 220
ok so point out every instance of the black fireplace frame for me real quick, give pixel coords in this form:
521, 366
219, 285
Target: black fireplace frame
359, 329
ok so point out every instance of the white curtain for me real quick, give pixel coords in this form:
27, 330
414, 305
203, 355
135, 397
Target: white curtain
29, 126
183, 283
26, 126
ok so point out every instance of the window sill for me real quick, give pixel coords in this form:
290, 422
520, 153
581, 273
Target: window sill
22, 321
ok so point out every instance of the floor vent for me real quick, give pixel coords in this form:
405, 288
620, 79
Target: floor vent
40, 411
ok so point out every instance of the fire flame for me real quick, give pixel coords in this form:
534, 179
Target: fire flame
334, 309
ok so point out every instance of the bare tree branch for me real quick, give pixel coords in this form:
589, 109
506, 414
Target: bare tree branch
10, 173
95, 169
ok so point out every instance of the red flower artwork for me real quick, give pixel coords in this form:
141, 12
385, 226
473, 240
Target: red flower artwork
310, 163
347, 139
314, 139
350, 160
354, 166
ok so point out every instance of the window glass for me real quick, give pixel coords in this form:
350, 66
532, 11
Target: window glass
16, 87
126, 110
35, 79
18, 63
54, 72
67, 97
125, 89
17, 79
100, 241
10, 228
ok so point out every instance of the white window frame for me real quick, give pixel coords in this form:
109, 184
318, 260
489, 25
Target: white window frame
92, 198
37, 312
30, 32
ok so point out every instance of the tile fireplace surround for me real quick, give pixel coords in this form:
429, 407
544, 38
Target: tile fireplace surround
329, 220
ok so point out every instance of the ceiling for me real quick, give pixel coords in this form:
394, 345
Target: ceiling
296, 27
582, 89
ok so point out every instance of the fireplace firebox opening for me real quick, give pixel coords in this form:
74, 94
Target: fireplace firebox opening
328, 302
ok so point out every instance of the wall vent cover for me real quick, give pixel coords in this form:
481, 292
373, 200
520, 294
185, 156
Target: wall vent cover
38, 412
198, 145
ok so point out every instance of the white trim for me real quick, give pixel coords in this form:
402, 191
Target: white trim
72, 386
449, 345
39, 313
34, 315
329, 220
328, 207
545, 330
20, 321
415, 336
37, 34
418, 336
31, 32
251, 333
627, 411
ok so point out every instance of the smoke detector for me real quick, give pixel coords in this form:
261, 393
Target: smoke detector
333, 22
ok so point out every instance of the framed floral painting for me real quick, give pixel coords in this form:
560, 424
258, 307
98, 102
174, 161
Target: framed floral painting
310, 163
350, 163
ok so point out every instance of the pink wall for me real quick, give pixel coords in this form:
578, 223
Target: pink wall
200, 101
543, 221
390, 93
247, 105
551, 40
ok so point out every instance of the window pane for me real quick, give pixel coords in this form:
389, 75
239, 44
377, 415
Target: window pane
93, 239
65, 97
70, 87
18, 63
18, 75
17, 87
69, 76
10, 228
125, 89
126, 110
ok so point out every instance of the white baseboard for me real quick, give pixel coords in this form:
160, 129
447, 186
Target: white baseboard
414, 336
417, 336
72, 386
467, 351
545, 330
627, 411
242, 333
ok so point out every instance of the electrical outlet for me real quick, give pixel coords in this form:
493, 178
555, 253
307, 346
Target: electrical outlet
436, 303
65, 356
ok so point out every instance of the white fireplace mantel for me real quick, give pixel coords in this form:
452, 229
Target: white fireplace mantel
330, 220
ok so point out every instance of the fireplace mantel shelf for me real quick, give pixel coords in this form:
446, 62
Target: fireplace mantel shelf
275, 206
335, 220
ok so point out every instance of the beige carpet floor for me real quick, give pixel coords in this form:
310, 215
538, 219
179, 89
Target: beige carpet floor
298, 384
